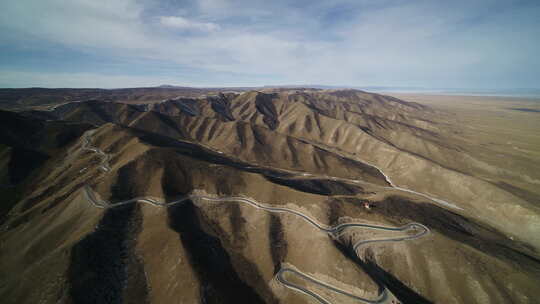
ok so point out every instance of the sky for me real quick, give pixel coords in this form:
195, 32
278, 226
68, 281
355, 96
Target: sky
481, 44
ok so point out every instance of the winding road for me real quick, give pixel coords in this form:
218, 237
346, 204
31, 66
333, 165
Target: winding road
333, 231
388, 180
104, 165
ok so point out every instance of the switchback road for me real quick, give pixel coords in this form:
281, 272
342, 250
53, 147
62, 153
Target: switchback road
333, 231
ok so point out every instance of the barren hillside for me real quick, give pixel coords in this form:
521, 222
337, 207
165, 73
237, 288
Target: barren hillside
271, 196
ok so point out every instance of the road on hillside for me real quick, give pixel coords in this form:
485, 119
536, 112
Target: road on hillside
333, 231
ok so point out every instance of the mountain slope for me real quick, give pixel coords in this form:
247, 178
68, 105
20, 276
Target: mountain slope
240, 198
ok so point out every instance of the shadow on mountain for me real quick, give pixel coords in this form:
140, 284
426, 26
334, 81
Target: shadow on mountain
459, 228
103, 263
383, 278
220, 282
317, 186
104, 267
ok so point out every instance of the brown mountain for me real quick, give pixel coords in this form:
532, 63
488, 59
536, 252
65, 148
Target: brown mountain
272, 196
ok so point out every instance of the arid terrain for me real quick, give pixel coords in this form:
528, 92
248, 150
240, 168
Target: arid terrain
268, 196
502, 131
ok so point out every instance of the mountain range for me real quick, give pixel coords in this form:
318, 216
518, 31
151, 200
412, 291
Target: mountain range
275, 195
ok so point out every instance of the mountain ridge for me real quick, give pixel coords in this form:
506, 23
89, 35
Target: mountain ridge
99, 220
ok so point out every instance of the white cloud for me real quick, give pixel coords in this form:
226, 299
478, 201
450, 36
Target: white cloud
411, 43
182, 23
80, 23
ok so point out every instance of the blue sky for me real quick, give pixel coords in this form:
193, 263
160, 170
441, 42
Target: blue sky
125, 43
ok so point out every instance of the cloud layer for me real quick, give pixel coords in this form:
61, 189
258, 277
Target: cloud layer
483, 44
182, 23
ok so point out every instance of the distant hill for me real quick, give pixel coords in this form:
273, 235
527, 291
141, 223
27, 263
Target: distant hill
42, 98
